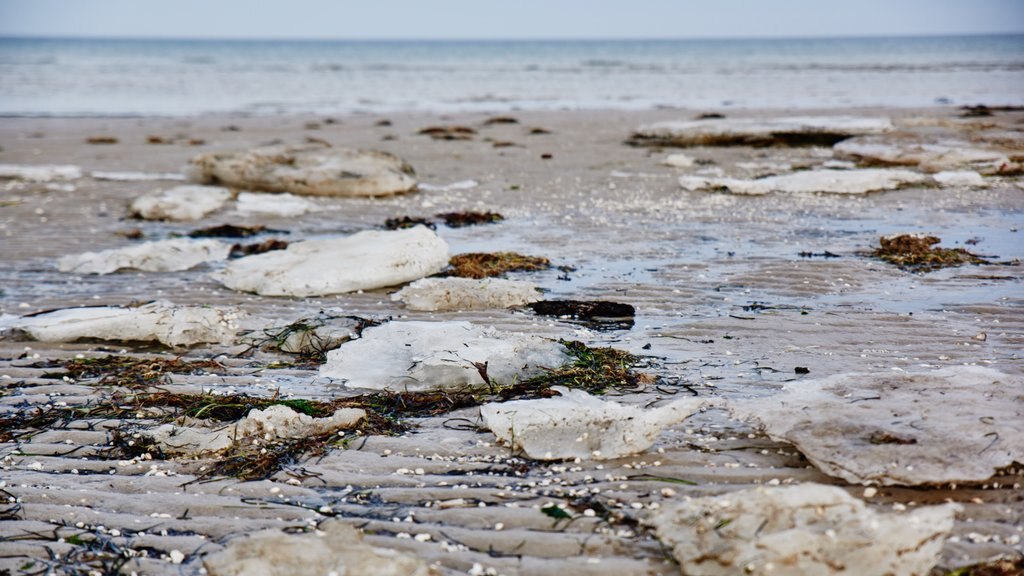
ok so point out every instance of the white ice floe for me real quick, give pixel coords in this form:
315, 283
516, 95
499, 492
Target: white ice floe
137, 176
160, 256
311, 170
960, 178
460, 185
928, 156
159, 321
678, 161
333, 548
362, 261
276, 422
415, 356
40, 172
810, 529
443, 294
954, 425
283, 205
181, 203
578, 425
760, 131
829, 181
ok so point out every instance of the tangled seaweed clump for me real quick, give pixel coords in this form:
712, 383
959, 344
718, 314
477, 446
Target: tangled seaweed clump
130, 372
490, 264
916, 253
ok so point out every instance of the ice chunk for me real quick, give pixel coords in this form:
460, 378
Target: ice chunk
442, 294
137, 176
181, 203
811, 529
283, 205
578, 425
460, 185
161, 256
416, 356
335, 548
786, 131
311, 170
160, 321
960, 178
362, 261
929, 156
40, 172
830, 181
276, 422
954, 425
678, 161
313, 335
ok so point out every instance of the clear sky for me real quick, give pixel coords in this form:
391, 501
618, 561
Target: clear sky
487, 19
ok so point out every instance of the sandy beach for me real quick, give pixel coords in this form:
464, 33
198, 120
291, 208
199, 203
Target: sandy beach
735, 296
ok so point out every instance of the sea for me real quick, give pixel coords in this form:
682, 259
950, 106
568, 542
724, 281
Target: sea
119, 77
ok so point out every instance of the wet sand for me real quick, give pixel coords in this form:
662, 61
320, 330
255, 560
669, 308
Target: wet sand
726, 307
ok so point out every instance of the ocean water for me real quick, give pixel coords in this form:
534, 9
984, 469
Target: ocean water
170, 77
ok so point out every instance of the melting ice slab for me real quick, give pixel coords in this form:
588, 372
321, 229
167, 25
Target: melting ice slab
40, 172
955, 425
310, 170
161, 256
181, 203
578, 425
830, 181
442, 294
362, 261
810, 529
334, 548
418, 356
787, 131
157, 321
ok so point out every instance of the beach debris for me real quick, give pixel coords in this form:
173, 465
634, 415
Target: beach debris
159, 321
827, 181
273, 423
786, 131
578, 425
243, 250
283, 205
445, 294
678, 161
314, 336
233, 231
310, 170
335, 548
408, 222
898, 428
538, 131
928, 156
418, 356
490, 264
459, 185
583, 309
39, 172
448, 132
181, 203
806, 529
101, 140
500, 120
363, 261
915, 252
160, 256
136, 176
461, 219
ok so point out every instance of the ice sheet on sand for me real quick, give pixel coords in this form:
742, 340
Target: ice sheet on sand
160, 256
40, 172
416, 356
443, 294
283, 205
954, 425
181, 203
928, 156
334, 548
362, 261
276, 422
960, 178
137, 176
460, 185
810, 529
760, 131
311, 170
830, 181
159, 321
578, 425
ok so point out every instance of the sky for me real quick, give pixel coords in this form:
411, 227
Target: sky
505, 19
